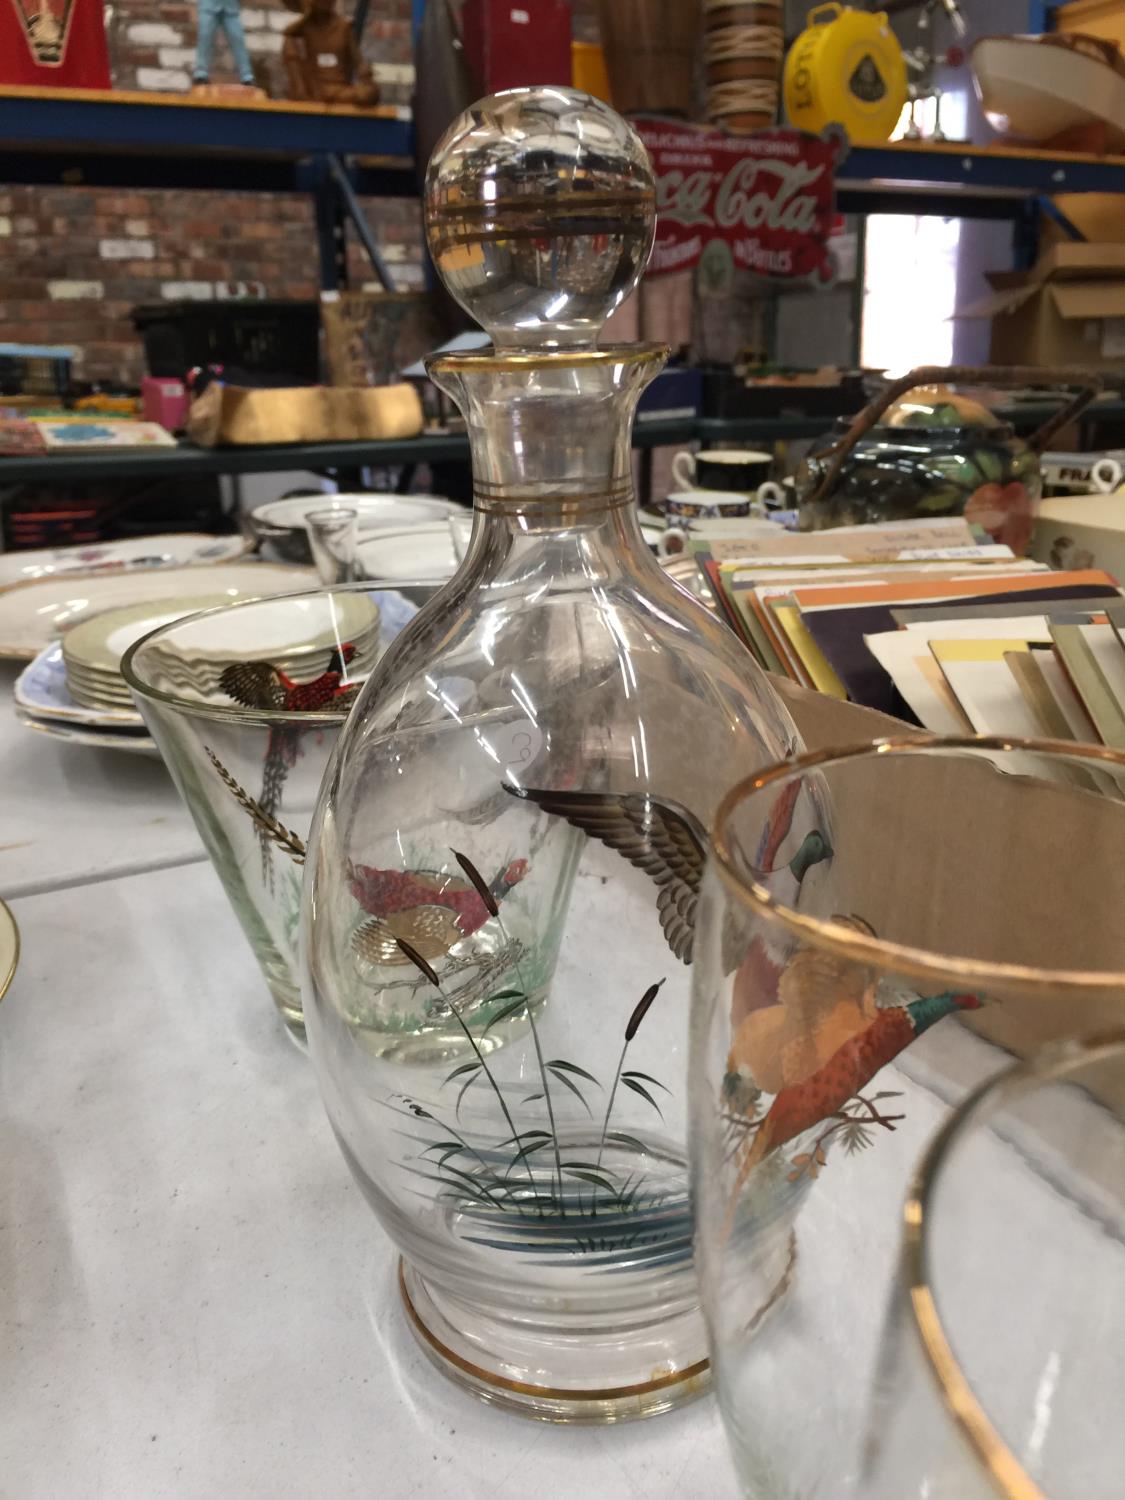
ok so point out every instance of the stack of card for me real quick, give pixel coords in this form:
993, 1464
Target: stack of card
1054, 669
925, 621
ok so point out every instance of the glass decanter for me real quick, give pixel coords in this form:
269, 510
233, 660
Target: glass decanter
502, 871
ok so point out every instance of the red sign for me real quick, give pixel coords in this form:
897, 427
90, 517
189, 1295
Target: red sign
56, 42
770, 196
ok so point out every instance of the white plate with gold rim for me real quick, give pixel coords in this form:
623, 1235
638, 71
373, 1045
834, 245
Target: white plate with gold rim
93, 650
95, 699
375, 512
408, 552
179, 549
9, 948
276, 632
33, 614
106, 682
282, 632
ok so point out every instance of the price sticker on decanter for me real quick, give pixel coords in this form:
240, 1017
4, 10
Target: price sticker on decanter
326, 59
514, 745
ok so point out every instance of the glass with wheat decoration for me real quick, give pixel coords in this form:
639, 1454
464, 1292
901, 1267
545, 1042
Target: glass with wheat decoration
245, 702
969, 912
502, 872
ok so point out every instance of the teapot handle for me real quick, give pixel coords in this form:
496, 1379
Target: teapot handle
1089, 382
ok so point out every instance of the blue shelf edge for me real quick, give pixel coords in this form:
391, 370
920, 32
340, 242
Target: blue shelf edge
974, 171
31, 123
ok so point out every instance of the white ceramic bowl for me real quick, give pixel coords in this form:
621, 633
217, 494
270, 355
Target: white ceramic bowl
1035, 91
409, 552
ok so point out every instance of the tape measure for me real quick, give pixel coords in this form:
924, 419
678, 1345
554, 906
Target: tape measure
846, 68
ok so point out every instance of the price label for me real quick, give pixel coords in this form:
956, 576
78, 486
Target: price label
514, 745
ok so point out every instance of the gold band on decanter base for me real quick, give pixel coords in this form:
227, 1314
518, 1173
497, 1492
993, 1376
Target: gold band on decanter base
695, 1378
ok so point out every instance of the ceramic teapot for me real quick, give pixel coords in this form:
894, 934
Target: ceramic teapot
922, 449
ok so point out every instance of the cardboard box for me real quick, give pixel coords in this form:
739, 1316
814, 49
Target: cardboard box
1068, 309
1081, 531
370, 337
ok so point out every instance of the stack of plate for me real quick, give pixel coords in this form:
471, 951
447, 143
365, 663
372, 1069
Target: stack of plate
44, 703
9, 948
35, 612
297, 636
79, 695
75, 690
92, 651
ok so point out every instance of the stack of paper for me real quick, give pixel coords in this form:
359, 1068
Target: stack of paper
1055, 670
925, 621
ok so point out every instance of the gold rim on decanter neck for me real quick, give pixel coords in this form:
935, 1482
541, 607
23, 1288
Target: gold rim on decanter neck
560, 357
960, 1400
575, 500
861, 947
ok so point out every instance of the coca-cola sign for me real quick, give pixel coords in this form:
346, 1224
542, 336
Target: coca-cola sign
770, 196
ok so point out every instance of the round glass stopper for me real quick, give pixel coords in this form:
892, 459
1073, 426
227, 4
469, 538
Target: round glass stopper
540, 214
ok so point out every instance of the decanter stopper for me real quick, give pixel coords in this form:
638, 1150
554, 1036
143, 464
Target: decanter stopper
540, 213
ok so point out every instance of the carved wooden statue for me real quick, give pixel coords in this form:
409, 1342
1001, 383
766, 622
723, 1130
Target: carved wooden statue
322, 58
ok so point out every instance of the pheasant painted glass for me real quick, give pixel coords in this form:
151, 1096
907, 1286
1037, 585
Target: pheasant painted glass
501, 886
245, 703
972, 913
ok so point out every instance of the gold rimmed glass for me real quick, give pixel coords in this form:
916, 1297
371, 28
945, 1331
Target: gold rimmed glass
246, 703
880, 930
1003, 1367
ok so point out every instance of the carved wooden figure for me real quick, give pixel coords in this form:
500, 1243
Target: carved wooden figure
322, 57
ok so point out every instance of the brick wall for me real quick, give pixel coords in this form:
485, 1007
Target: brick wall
152, 45
74, 261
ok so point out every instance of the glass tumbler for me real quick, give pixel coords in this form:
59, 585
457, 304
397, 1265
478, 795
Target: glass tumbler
969, 913
245, 703
333, 537
1002, 1375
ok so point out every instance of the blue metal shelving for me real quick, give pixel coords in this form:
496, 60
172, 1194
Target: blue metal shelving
158, 140
61, 136
151, 140
967, 181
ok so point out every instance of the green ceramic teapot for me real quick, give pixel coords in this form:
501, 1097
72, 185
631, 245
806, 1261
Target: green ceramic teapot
922, 449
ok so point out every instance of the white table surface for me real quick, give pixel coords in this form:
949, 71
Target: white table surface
69, 813
194, 1299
